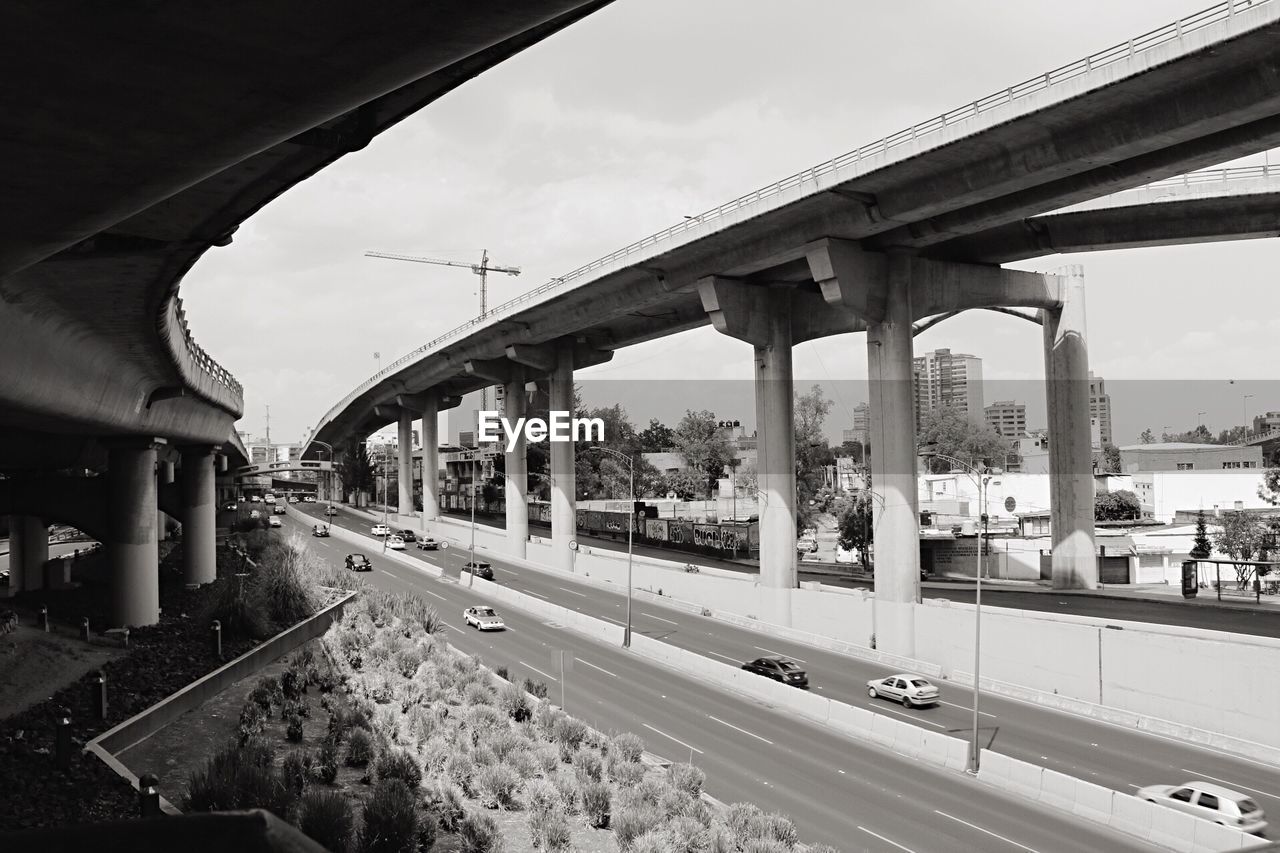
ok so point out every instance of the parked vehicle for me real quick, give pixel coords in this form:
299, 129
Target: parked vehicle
483, 619
1211, 802
309, 499
320, 530
482, 570
359, 563
779, 669
426, 543
910, 690
395, 543
407, 535
380, 530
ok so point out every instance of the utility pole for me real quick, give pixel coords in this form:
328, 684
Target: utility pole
481, 269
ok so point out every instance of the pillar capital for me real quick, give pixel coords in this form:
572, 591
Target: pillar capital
940, 287
541, 357
849, 276
133, 442
494, 370
196, 450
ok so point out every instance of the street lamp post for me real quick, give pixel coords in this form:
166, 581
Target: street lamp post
1244, 412
981, 478
471, 575
631, 522
328, 479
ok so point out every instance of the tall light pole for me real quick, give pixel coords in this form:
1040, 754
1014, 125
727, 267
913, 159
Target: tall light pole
387, 534
328, 478
1244, 412
981, 477
631, 523
471, 575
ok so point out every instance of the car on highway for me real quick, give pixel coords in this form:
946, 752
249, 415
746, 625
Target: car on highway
779, 668
380, 530
910, 690
321, 530
255, 499
253, 513
482, 570
426, 543
483, 619
330, 511
407, 535
232, 507
278, 509
269, 499
358, 563
1211, 802
395, 543
275, 522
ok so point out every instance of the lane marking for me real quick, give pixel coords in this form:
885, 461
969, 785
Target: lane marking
531, 592
1225, 782
572, 592
882, 838
726, 657
450, 627
660, 619
987, 831
669, 737
909, 717
540, 672
593, 666
614, 621
779, 654
969, 709
429, 592
737, 729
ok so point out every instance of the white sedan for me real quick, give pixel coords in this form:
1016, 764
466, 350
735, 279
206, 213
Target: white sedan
1211, 802
483, 618
910, 690
380, 530
395, 543
275, 522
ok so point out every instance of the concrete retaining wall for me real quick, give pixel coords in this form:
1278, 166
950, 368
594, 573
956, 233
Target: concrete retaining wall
1122, 812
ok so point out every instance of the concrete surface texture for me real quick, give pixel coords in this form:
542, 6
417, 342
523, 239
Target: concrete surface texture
1115, 754
851, 796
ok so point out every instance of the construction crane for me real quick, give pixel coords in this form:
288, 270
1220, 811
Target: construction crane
481, 269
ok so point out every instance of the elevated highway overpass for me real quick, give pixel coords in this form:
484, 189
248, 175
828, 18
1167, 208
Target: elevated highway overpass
134, 139
904, 229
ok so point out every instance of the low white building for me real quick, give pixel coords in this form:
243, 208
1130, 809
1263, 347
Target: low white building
1166, 492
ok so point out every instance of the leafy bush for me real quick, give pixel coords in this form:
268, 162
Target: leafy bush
743, 819
262, 696
587, 765
687, 835
549, 830
479, 834
239, 778
626, 773
280, 589
648, 842
293, 728
326, 818
540, 795
448, 801
326, 763
294, 771
428, 821
398, 764
567, 788
407, 661
496, 786
514, 702
502, 673
780, 828
461, 770
568, 733
634, 820
292, 684
687, 778
253, 722
547, 758
390, 820
595, 804
386, 722
627, 747
537, 688
359, 748
764, 845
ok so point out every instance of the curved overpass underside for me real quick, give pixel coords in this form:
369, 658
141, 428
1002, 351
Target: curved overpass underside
133, 139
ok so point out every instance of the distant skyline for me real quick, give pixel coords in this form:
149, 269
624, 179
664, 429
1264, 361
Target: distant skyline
584, 144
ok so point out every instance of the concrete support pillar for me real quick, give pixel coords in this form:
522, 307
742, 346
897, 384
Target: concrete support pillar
132, 555
776, 461
563, 484
404, 458
896, 519
199, 516
517, 465
430, 458
164, 477
28, 552
1071, 489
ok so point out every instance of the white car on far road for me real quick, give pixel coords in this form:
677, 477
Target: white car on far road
1211, 802
274, 522
380, 530
395, 543
483, 618
910, 690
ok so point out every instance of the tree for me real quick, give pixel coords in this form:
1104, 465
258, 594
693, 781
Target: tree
1120, 505
1147, 436
950, 432
1241, 537
355, 469
1235, 433
1201, 549
656, 437
686, 483
812, 454
1269, 491
1199, 435
1110, 459
857, 529
702, 443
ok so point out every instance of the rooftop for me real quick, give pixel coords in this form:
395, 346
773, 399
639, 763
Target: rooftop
1176, 445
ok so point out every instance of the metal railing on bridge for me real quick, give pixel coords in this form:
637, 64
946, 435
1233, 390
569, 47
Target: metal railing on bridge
1217, 13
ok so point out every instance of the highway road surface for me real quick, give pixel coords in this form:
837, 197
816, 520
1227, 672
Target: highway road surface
1119, 758
841, 792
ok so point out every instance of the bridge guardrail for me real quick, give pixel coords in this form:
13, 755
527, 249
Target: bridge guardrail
1214, 14
208, 378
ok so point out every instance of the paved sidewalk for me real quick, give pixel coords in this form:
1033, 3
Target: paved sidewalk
1161, 593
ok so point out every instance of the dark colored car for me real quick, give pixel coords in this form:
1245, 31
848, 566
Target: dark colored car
330, 511
426, 543
483, 570
407, 535
779, 669
320, 530
232, 507
359, 563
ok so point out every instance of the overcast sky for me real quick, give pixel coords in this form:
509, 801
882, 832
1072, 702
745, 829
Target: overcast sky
654, 109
